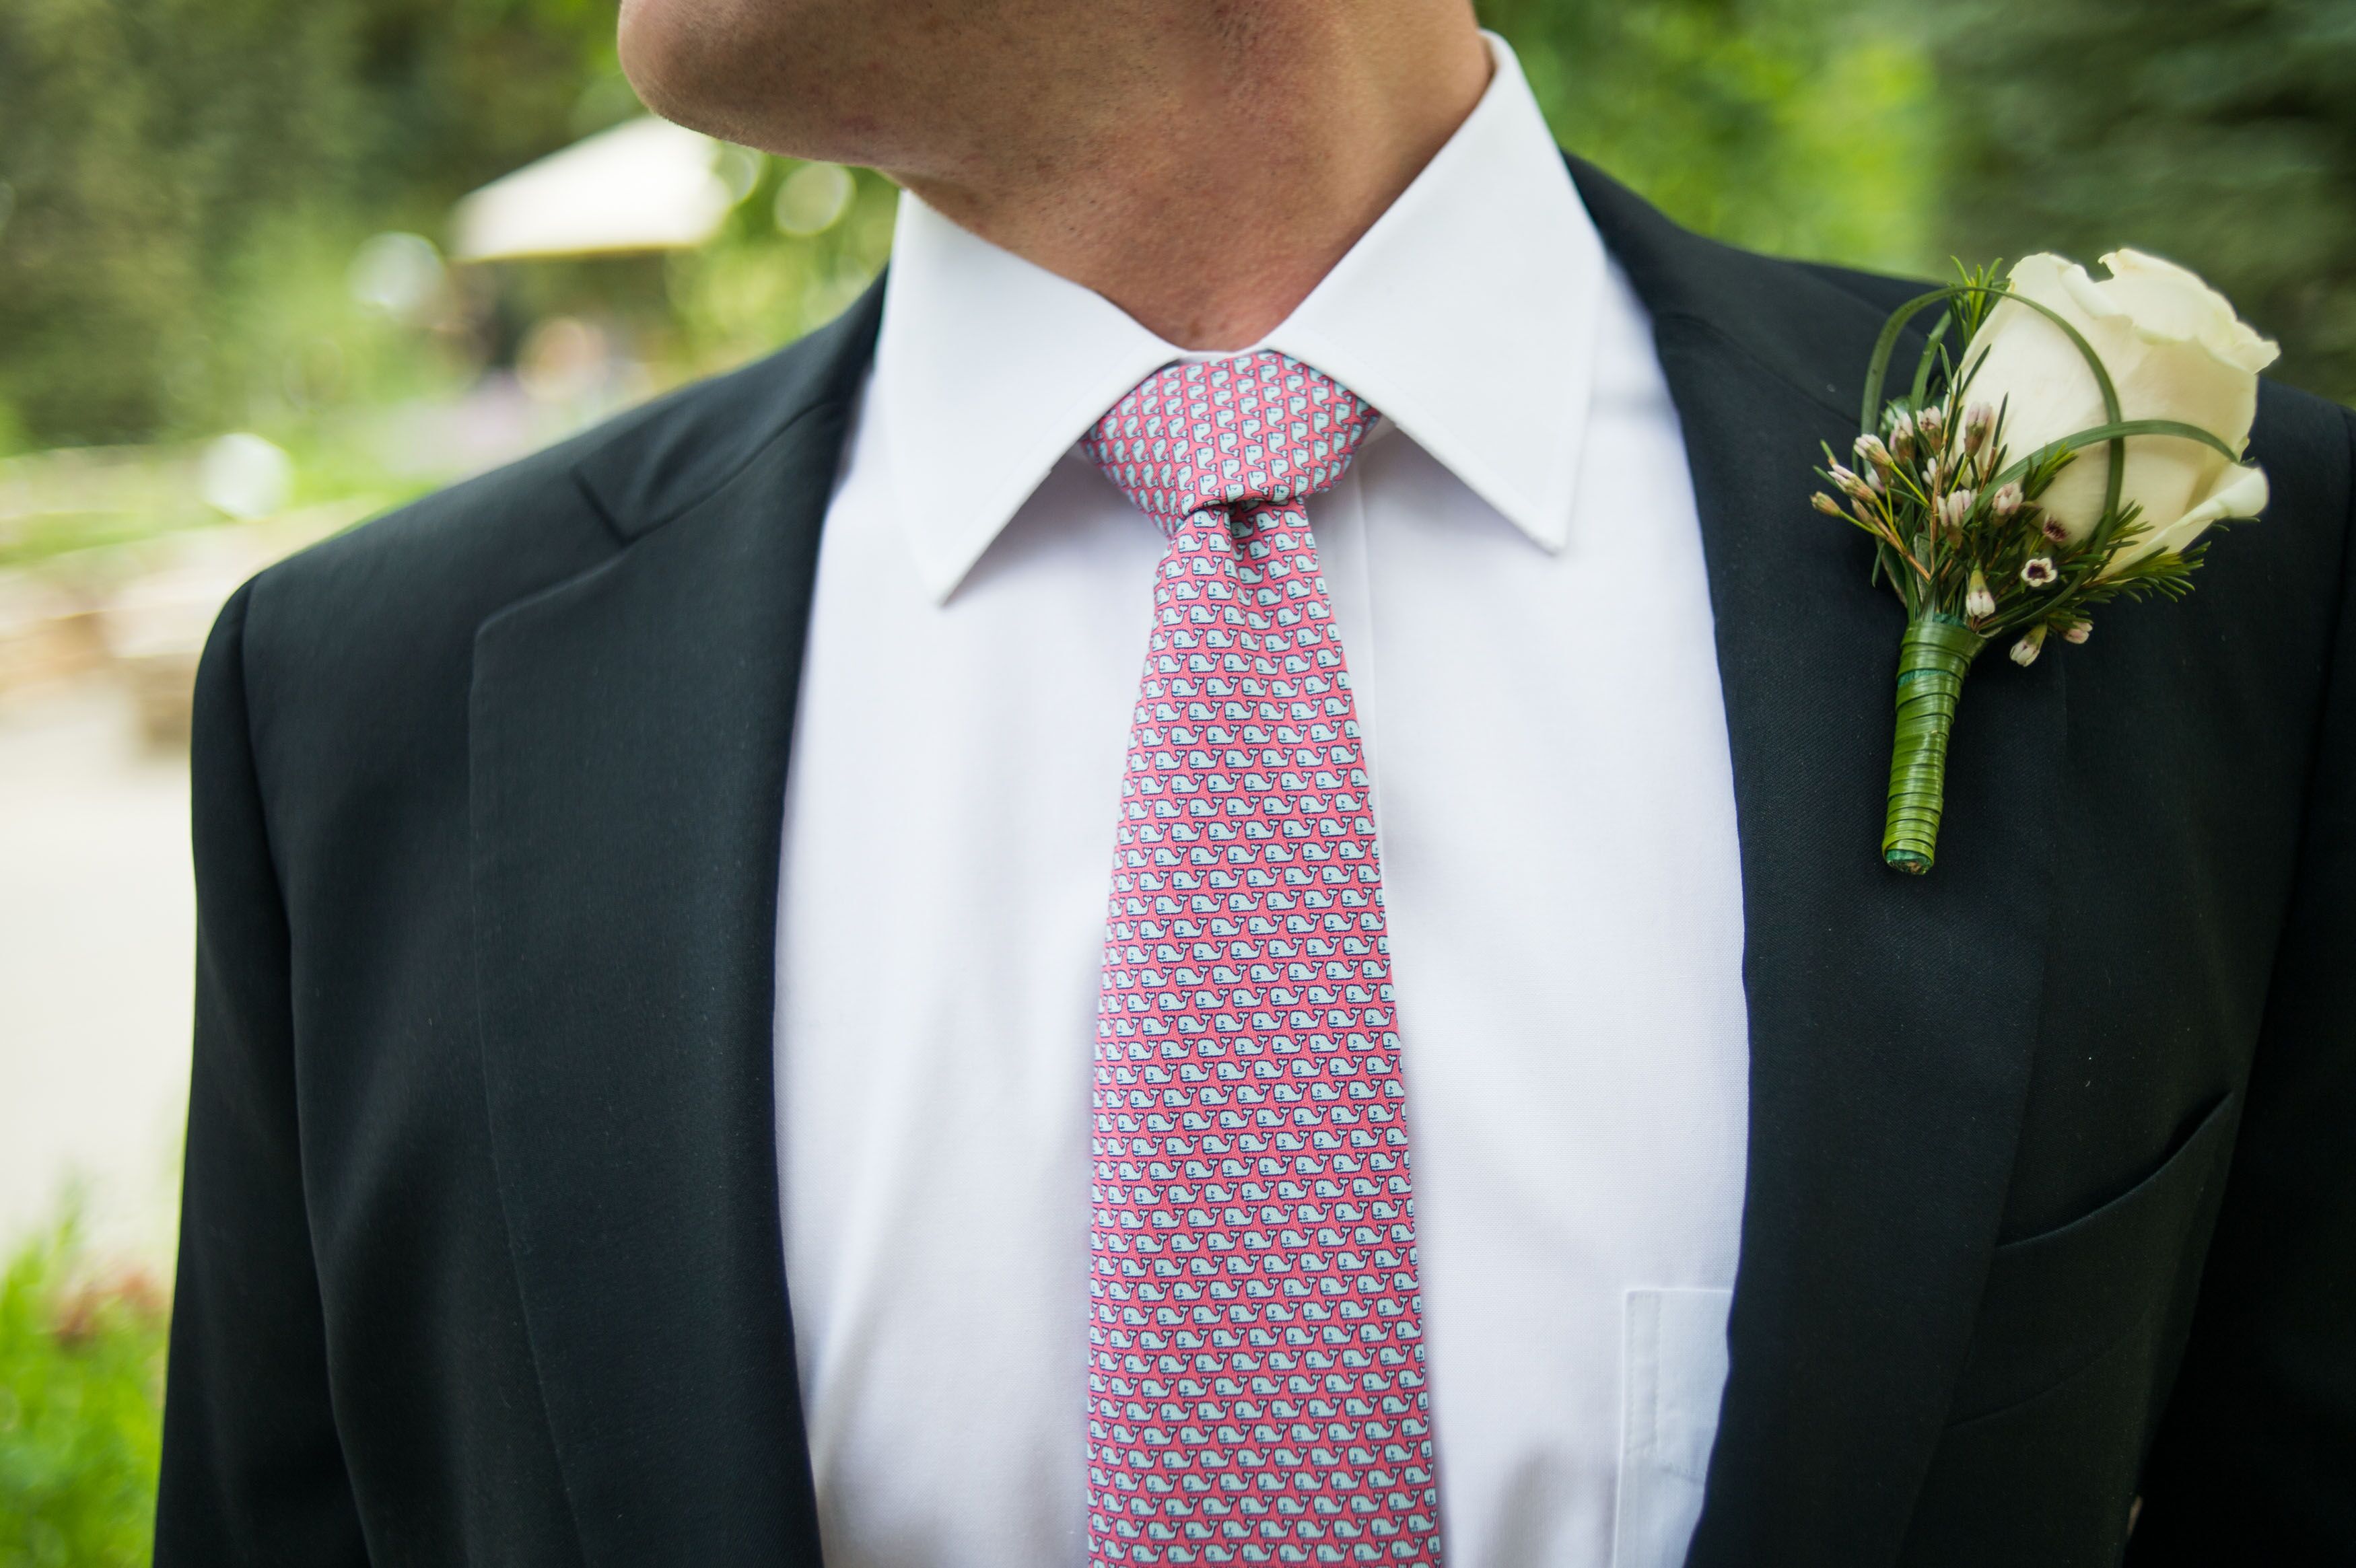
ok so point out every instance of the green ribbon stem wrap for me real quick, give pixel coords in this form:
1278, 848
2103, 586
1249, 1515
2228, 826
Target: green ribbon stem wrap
1931, 660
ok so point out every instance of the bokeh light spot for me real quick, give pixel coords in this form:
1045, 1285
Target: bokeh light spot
813, 198
400, 274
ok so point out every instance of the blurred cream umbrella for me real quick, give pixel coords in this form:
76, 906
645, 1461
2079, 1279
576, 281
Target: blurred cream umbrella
646, 185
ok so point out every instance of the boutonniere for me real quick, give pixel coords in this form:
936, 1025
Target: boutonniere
1993, 517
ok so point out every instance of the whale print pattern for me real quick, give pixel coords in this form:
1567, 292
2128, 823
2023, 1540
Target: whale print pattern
1256, 1388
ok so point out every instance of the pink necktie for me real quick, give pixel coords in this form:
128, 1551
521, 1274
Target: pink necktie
1256, 1336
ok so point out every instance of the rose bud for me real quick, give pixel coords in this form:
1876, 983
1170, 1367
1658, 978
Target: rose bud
1978, 603
2024, 652
2005, 503
2077, 631
2180, 352
2038, 571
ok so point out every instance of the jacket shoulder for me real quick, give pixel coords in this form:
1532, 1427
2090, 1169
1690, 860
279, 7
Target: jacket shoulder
1884, 292
428, 573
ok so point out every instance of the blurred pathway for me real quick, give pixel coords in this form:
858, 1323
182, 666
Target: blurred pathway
97, 941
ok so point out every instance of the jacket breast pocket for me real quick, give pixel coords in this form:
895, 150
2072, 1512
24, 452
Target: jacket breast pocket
2055, 1302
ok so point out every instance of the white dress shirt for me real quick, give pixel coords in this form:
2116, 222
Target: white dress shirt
1516, 573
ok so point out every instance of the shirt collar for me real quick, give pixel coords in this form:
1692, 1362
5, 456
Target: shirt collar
1467, 314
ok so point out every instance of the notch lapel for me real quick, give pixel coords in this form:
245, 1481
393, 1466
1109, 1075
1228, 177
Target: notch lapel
1892, 1018
629, 729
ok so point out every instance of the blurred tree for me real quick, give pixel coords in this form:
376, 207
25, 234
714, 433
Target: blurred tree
93, 251
1797, 126
461, 92
148, 147
2220, 133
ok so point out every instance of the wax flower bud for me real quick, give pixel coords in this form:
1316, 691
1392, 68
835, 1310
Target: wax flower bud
1901, 434
1850, 485
1827, 505
2077, 631
2005, 503
2025, 651
1979, 420
1956, 507
1978, 603
1934, 426
1870, 450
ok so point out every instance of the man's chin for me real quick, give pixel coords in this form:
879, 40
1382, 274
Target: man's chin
723, 70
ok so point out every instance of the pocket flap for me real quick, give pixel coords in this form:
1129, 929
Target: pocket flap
2057, 1300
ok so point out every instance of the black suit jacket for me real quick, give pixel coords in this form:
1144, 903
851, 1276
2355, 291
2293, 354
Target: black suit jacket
2051, 1197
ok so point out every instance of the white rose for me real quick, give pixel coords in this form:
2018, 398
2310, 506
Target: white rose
2174, 351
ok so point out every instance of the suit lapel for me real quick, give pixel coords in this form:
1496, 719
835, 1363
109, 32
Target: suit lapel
629, 729
1892, 1018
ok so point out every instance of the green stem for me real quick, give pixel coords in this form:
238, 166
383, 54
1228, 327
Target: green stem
1931, 660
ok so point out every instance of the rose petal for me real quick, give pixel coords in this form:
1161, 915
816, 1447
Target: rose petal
2170, 302
2242, 493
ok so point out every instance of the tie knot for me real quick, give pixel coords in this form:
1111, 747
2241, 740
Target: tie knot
1260, 427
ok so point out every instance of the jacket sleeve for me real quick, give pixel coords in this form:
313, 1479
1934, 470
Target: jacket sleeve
253, 1471
2256, 1458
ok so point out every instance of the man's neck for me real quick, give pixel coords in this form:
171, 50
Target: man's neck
1207, 202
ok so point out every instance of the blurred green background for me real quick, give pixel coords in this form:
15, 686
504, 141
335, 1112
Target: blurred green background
186, 182
240, 307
